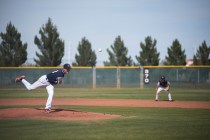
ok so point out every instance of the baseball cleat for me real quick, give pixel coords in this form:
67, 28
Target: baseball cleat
47, 110
18, 79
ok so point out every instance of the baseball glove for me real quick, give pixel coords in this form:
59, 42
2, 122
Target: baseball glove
167, 88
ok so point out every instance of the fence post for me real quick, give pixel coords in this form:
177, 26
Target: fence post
141, 78
94, 77
118, 77
177, 75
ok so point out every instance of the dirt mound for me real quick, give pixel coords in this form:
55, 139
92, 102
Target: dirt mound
56, 114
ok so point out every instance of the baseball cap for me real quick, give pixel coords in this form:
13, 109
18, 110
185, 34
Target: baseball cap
67, 66
162, 78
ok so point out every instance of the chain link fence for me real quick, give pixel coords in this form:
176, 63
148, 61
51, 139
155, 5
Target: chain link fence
113, 77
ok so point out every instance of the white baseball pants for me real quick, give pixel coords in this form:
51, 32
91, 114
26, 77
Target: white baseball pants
161, 89
42, 82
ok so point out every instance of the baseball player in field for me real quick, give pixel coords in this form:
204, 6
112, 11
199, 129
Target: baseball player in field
163, 85
48, 81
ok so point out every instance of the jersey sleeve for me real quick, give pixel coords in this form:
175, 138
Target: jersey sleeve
168, 83
158, 83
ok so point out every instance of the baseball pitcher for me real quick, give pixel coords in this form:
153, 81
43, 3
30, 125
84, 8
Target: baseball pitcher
48, 81
163, 85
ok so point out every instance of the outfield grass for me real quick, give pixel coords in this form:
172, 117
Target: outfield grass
145, 94
136, 123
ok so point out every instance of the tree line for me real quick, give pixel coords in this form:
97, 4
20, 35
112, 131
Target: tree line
13, 52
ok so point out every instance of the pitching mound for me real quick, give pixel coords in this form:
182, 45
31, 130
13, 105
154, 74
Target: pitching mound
56, 114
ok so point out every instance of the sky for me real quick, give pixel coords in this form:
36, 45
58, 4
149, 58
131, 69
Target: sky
101, 21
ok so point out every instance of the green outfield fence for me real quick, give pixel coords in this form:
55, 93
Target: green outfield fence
114, 77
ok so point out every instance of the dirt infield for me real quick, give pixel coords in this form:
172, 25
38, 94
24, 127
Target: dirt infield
56, 114
105, 102
62, 114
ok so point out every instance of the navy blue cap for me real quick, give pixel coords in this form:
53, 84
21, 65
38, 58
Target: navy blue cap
67, 66
162, 78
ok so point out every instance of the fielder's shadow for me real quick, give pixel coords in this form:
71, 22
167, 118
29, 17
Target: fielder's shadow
165, 100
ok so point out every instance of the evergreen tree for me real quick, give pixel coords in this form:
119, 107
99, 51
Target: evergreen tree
50, 46
202, 55
119, 55
86, 56
12, 50
148, 54
175, 54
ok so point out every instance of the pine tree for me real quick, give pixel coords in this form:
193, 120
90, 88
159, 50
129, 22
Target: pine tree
119, 55
148, 56
50, 46
12, 50
202, 55
175, 54
86, 56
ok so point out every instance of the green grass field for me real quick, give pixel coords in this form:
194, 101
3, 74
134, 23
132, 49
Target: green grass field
137, 123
